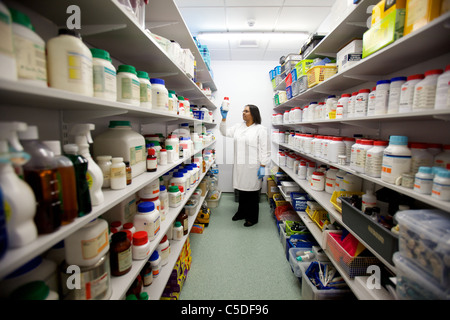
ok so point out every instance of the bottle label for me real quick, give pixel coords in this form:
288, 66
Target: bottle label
125, 259
79, 67
393, 166
96, 288
89, 179
131, 89
137, 155
6, 45
92, 247
145, 92
117, 173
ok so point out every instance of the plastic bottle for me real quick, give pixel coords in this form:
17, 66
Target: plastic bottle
394, 94
7, 59
371, 103
181, 107
104, 75
80, 164
349, 142
86, 246
164, 250
420, 157
164, 199
407, 93
396, 159
330, 180
351, 105
18, 199
121, 254
425, 91
174, 196
177, 231
128, 85
342, 105
382, 96
82, 134
443, 159
423, 182
441, 186
339, 184
160, 95
155, 261
41, 174
104, 162
226, 104
361, 155
335, 149
331, 105
173, 102
69, 63
147, 219
361, 102
121, 141
29, 50
374, 159
141, 245
369, 200
354, 153
351, 183
145, 90
442, 100
178, 179
67, 183
118, 174
173, 141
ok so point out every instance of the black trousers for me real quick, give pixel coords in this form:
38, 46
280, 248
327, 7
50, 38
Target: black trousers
249, 205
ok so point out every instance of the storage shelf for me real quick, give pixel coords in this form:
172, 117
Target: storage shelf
14, 258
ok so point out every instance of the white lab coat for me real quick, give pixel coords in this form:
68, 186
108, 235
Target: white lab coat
251, 150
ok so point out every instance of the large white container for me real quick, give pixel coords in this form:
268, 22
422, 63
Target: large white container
382, 96
394, 94
29, 50
121, 141
396, 159
69, 63
146, 89
160, 95
442, 90
105, 82
420, 157
425, 91
374, 159
407, 92
443, 159
7, 59
128, 85
147, 219
88, 245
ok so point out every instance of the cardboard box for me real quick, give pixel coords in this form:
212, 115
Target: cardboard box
272, 188
353, 47
383, 8
420, 13
349, 60
384, 32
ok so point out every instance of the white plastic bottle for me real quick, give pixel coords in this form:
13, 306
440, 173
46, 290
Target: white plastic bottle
382, 96
160, 95
369, 200
121, 141
342, 105
361, 102
69, 63
94, 175
330, 180
29, 50
371, 103
351, 183
118, 174
128, 85
374, 159
226, 104
18, 198
443, 159
443, 91
407, 93
396, 159
331, 105
104, 162
441, 186
146, 89
147, 218
164, 202
104, 75
420, 157
339, 183
335, 149
394, 94
173, 102
361, 155
7, 59
351, 105
425, 91
423, 182
354, 153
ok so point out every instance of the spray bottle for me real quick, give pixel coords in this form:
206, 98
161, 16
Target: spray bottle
18, 198
94, 175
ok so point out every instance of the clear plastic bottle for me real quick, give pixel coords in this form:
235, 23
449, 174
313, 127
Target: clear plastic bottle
128, 85
41, 174
145, 89
407, 93
396, 159
442, 100
425, 91
105, 82
369, 200
394, 94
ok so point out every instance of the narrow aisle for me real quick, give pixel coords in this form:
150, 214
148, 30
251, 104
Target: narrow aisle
233, 262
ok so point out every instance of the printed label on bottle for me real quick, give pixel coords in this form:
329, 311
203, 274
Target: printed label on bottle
6, 45
89, 180
96, 288
162, 100
92, 247
125, 259
393, 166
117, 172
30, 59
79, 67
137, 155
145, 92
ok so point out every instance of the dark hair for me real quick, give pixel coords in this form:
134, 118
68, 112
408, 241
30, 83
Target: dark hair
254, 111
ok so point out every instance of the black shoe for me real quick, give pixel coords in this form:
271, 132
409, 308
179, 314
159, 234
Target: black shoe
237, 217
249, 224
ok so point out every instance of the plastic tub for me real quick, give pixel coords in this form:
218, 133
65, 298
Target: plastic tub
425, 239
191, 207
295, 264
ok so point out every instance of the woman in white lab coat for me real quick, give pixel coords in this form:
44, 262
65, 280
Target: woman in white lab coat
251, 155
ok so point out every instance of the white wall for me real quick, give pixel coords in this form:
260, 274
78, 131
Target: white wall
244, 82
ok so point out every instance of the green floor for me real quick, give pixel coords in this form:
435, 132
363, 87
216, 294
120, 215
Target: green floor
233, 262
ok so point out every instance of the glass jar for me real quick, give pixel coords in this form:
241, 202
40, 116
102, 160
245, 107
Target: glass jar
121, 256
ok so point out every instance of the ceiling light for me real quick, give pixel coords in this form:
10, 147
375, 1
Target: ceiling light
282, 36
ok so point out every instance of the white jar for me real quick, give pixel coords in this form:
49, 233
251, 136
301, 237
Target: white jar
302, 167
443, 159
349, 142
351, 105
342, 105
362, 99
307, 143
394, 94
330, 180
371, 103
128, 85
310, 170
396, 159
164, 250
369, 200
29, 50
177, 231
305, 114
286, 116
354, 153
420, 157
181, 108
442, 90
173, 102
155, 262
164, 202
141, 246
423, 182
282, 161
148, 219
174, 141
179, 180
160, 95
163, 160
351, 183
339, 184
335, 149
297, 113
374, 159
441, 186
86, 246
361, 155
145, 95
104, 75
174, 196
317, 181
330, 107
317, 152
407, 93
279, 118
382, 96
425, 91
104, 162
322, 110
69, 63
118, 174
7, 60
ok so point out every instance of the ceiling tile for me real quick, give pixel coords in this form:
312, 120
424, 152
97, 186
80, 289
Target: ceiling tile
264, 17
247, 54
309, 3
212, 19
199, 3
301, 19
254, 3
220, 54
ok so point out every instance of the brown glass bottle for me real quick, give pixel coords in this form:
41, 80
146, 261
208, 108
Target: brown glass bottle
183, 218
121, 257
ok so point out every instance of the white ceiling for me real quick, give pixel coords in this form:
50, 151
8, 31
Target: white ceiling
268, 15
